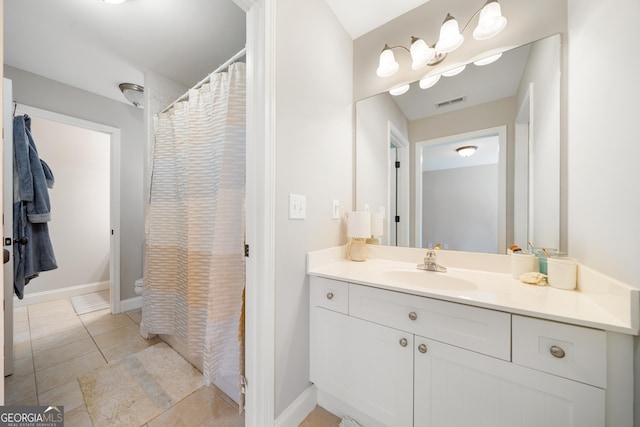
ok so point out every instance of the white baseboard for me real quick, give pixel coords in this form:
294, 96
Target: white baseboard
299, 409
130, 304
55, 294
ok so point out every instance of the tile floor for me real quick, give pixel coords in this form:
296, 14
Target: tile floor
53, 346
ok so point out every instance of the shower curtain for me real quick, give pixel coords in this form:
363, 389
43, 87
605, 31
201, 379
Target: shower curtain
194, 272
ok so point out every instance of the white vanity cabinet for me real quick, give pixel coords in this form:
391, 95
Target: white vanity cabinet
457, 387
393, 359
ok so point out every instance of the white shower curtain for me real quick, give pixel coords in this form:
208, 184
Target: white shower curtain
194, 272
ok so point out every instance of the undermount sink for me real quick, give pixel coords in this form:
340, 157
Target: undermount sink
428, 279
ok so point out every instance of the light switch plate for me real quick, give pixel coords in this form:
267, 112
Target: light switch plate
297, 206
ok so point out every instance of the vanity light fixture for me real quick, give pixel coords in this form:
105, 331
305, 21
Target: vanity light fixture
454, 71
399, 90
488, 60
490, 23
427, 82
467, 150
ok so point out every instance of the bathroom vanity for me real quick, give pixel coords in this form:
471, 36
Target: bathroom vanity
392, 345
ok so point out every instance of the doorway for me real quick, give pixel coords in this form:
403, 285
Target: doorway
455, 193
85, 159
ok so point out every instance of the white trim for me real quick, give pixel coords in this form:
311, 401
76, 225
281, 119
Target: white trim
131, 304
52, 295
299, 408
502, 181
114, 264
260, 215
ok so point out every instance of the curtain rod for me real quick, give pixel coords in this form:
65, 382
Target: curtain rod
230, 61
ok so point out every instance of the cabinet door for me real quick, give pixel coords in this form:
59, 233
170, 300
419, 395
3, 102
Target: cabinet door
459, 388
367, 366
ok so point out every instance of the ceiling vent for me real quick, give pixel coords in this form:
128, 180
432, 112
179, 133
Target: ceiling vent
451, 101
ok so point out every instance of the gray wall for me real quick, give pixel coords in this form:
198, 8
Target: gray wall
460, 208
39, 92
314, 139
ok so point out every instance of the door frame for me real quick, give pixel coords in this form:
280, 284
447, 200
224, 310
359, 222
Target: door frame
114, 197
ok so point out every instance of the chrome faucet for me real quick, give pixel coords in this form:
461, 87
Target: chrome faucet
430, 263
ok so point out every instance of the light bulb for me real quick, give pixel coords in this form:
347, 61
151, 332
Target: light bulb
454, 71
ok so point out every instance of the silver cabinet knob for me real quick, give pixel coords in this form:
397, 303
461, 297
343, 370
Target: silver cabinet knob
413, 315
422, 348
330, 295
403, 342
557, 352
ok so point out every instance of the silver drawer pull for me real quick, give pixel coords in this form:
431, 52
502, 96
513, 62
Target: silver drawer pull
422, 348
557, 352
330, 295
403, 342
413, 315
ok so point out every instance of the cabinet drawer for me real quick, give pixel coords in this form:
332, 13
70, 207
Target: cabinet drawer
568, 351
477, 329
330, 294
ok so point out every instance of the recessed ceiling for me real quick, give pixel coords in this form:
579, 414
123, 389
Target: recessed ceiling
95, 46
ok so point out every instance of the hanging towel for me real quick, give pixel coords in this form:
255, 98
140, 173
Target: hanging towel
32, 250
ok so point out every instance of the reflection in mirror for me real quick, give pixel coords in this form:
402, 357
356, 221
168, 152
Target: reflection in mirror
520, 96
460, 200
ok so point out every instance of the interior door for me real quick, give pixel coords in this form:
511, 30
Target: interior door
7, 223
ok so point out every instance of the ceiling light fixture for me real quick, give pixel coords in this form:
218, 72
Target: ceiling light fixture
134, 93
467, 150
490, 23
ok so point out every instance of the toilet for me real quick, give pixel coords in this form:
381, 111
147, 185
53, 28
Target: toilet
139, 285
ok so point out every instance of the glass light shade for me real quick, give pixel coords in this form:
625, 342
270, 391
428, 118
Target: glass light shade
467, 150
421, 53
454, 71
134, 93
427, 82
388, 65
491, 22
399, 90
450, 37
488, 60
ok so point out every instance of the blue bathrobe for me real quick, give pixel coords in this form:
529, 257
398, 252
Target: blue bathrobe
32, 249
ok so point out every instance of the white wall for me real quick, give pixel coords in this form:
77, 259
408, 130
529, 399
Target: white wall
80, 203
39, 92
314, 135
603, 152
460, 208
604, 202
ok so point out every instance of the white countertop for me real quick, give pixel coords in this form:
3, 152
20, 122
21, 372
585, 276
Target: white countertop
600, 302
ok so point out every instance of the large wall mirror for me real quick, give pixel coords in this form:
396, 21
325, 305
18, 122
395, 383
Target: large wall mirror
507, 191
